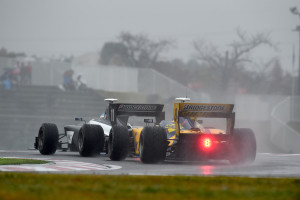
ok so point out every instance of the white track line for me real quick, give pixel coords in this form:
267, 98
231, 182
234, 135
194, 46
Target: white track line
59, 165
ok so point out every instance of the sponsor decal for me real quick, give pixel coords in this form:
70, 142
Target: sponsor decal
200, 114
124, 107
191, 114
210, 108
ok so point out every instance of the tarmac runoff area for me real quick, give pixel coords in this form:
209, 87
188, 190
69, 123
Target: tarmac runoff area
265, 165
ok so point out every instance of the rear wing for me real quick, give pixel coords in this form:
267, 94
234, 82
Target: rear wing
118, 113
204, 110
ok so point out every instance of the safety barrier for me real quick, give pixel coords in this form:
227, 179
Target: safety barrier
282, 135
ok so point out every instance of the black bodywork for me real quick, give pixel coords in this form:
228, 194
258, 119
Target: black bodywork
118, 114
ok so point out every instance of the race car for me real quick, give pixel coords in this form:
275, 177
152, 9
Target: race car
184, 138
189, 139
110, 134
86, 137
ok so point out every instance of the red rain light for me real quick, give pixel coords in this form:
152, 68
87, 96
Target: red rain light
206, 143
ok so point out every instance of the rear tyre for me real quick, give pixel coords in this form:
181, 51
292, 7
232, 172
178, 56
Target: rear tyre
48, 139
243, 146
118, 143
153, 144
90, 140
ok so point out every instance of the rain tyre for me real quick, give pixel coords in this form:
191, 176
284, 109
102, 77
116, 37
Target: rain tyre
48, 139
90, 140
153, 144
243, 146
118, 143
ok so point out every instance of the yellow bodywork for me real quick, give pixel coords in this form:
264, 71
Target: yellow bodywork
203, 110
170, 128
136, 133
191, 111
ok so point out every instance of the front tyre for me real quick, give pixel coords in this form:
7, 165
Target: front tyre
48, 139
153, 144
118, 143
243, 146
90, 140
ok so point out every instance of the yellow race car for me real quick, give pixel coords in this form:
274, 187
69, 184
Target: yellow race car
190, 139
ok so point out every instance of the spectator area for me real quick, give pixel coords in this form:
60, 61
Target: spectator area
24, 109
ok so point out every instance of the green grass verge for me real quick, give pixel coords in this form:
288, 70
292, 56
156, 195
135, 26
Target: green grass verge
50, 186
19, 161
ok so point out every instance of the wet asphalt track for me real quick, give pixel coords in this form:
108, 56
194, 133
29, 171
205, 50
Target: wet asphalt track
265, 165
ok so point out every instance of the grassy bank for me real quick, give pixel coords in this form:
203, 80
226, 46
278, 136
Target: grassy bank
49, 186
19, 161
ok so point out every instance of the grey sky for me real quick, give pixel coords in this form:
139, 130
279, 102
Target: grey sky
74, 27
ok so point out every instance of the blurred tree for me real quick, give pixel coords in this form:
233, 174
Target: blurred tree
228, 63
15, 54
142, 51
279, 81
67, 59
218, 71
114, 53
3, 52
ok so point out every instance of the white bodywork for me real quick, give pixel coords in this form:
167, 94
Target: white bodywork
70, 136
182, 99
106, 128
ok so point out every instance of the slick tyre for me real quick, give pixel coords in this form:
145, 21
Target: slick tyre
243, 146
90, 140
118, 143
48, 139
153, 144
